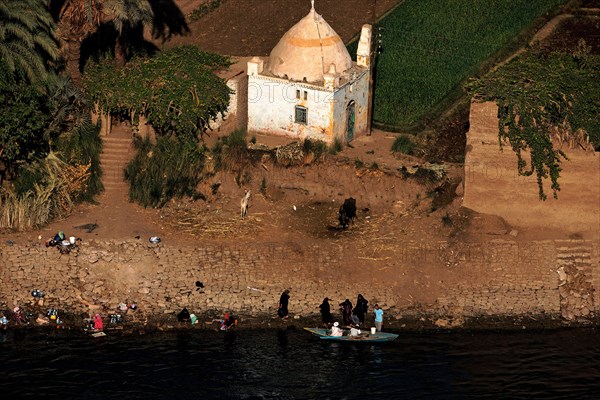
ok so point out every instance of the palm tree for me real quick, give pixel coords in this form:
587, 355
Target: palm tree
78, 19
27, 40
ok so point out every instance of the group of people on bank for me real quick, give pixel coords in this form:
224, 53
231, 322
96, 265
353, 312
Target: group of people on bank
352, 316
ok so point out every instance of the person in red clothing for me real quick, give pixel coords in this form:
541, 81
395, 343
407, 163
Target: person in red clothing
98, 325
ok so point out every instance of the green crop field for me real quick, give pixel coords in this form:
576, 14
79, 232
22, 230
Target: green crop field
430, 46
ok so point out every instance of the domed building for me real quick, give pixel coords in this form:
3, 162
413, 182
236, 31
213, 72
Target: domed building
309, 87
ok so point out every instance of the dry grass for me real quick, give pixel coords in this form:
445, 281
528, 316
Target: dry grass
211, 223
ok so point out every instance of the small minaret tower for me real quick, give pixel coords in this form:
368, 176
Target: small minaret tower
365, 58
363, 53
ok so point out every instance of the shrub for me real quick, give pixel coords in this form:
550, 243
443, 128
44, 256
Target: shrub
402, 144
204, 9
170, 169
336, 146
83, 146
233, 150
316, 147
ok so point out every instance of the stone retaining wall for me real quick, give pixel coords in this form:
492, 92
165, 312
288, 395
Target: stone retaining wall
512, 278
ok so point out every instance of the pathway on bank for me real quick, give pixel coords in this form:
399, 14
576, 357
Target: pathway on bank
114, 216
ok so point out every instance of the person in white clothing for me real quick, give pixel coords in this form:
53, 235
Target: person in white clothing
354, 331
336, 330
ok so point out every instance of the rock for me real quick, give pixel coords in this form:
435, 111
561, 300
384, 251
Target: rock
144, 290
442, 323
513, 233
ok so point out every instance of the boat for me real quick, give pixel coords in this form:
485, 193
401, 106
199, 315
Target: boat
323, 333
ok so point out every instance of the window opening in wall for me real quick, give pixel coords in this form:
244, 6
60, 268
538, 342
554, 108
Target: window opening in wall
298, 94
305, 95
301, 115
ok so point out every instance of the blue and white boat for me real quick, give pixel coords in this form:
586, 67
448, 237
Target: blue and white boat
324, 334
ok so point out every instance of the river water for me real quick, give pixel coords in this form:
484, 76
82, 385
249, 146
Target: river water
292, 364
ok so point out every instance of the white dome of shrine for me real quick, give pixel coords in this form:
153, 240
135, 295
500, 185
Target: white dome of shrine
307, 50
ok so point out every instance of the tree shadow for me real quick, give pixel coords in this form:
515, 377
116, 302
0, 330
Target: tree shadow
168, 20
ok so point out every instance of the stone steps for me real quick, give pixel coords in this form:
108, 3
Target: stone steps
117, 151
574, 267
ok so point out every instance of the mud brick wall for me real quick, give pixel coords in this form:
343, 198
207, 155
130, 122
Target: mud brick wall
517, 277
492, 184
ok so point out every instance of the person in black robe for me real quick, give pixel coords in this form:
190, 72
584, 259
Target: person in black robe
282, 311
183, 316
326, 316
346, 309
361, 309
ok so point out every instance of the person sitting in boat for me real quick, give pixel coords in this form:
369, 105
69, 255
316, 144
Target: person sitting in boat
354, 331
336, 330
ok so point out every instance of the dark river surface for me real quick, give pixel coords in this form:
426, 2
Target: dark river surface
292, 364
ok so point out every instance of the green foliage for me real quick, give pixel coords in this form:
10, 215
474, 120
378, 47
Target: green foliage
170, 169
24, 120
177, 90
28, 42
316, 147
429, 49
536, 92
358, 163
232, 151
203, 9
336, 146
83, 146
402, 144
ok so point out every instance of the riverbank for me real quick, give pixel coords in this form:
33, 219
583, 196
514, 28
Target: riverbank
491, 285
137, 323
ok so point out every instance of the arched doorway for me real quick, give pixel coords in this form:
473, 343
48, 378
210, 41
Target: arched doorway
350, 116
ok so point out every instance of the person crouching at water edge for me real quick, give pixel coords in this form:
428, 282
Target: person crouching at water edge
98, 325
228, 322
336, 330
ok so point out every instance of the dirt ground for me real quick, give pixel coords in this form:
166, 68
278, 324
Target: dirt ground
253, 28
300, 203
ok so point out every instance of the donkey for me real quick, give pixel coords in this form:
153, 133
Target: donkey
244, 204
